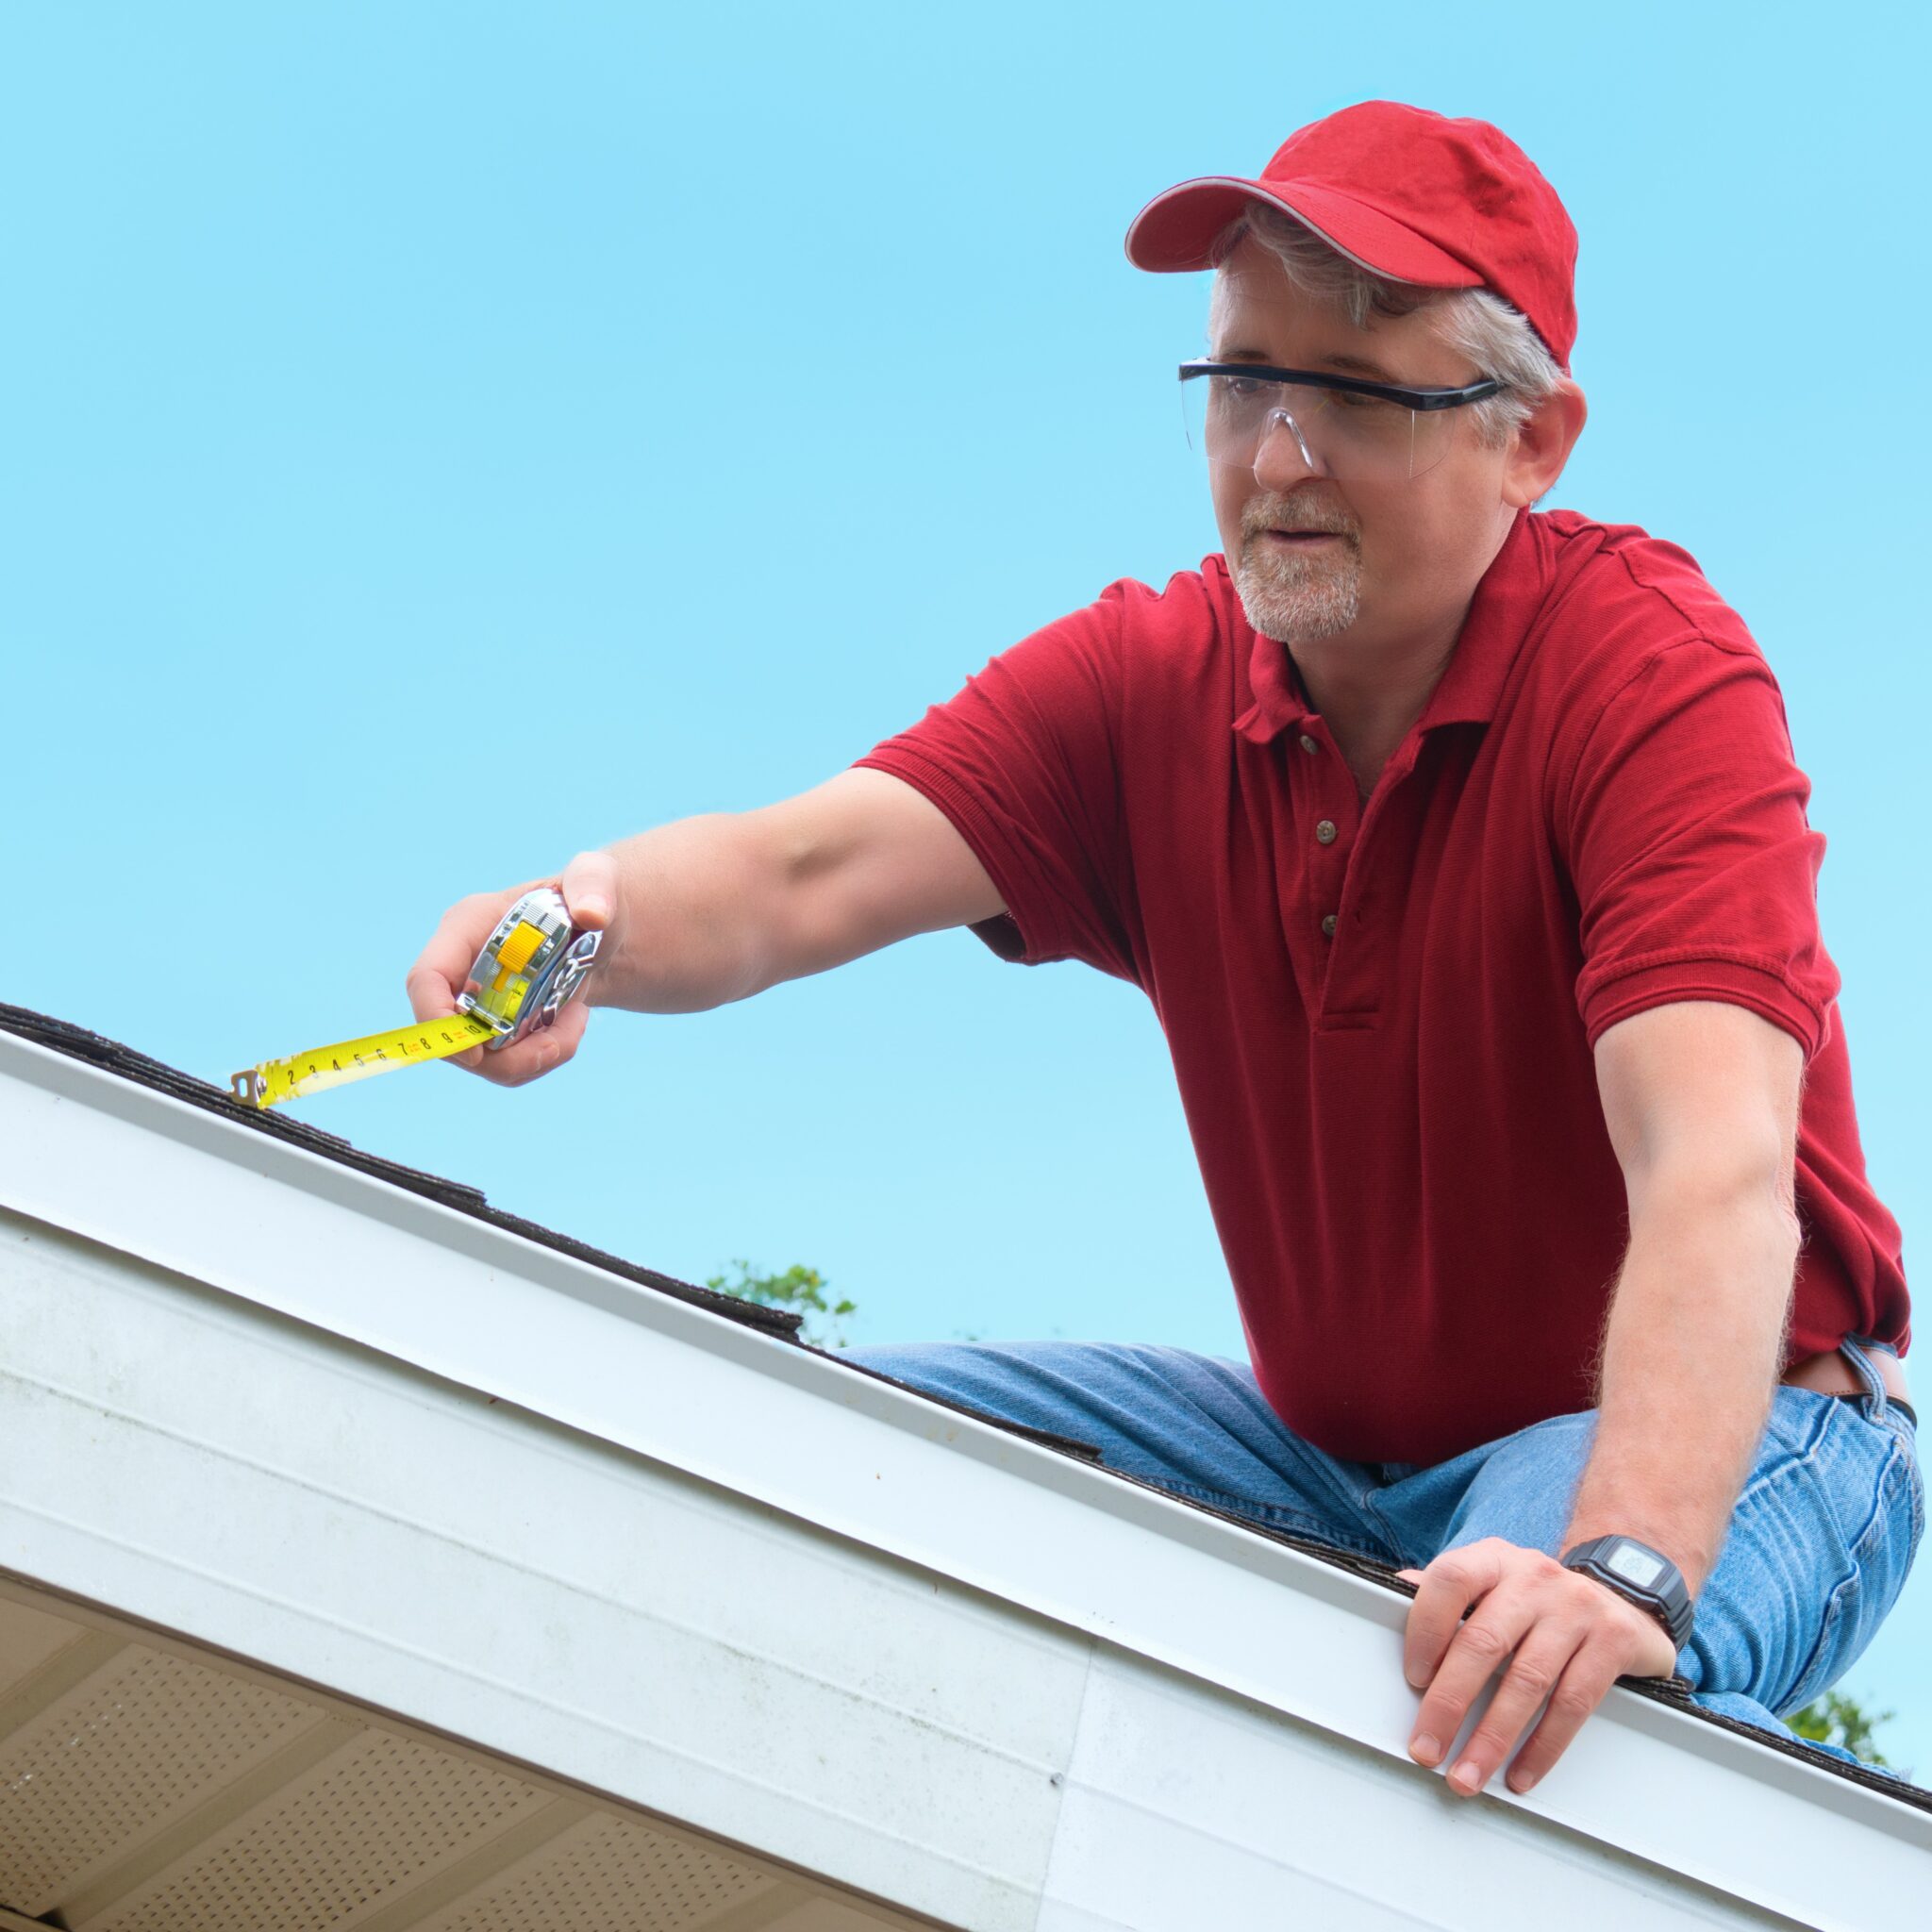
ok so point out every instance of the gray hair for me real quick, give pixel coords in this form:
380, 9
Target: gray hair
1495, 336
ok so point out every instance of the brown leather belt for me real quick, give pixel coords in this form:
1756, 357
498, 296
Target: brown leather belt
1830, 1374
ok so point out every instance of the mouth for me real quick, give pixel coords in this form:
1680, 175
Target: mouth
1303, 539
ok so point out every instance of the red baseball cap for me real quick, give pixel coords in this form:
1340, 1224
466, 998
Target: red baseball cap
1413, 195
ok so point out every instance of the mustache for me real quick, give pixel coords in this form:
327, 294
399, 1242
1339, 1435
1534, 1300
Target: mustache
1309, 516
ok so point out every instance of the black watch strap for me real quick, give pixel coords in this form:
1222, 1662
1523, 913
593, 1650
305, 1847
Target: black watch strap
1646, 1576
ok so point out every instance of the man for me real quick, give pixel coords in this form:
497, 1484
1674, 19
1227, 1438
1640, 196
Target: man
1461, 852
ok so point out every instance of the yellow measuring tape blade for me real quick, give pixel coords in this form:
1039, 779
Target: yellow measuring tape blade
322, 1067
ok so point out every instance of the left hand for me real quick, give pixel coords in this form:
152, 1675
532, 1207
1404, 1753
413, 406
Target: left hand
1571, 1637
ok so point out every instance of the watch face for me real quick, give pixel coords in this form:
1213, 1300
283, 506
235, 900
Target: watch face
1634, 1565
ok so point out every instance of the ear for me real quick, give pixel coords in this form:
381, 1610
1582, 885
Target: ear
1543, 446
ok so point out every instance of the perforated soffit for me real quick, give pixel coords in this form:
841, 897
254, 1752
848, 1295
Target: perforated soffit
149, 1787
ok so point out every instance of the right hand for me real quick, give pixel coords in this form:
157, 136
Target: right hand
590, 891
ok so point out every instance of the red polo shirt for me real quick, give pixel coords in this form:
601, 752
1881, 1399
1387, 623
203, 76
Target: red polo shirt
1382, 1018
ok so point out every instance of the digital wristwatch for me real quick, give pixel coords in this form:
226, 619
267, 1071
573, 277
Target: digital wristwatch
1641, 1574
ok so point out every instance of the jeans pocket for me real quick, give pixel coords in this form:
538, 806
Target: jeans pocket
1908, 1449
1823, 1670
1880, 1555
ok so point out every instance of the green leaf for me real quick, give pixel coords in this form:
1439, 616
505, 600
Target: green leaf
1836, 1719
798, 1287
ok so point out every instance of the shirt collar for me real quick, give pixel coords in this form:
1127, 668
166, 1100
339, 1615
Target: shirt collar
1470, 689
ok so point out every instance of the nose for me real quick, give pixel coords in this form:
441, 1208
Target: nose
1282, 456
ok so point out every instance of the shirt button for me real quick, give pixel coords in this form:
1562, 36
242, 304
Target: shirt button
1325, 831
1328, 927
1310, 745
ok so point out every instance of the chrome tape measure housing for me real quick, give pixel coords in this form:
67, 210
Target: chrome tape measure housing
533, 962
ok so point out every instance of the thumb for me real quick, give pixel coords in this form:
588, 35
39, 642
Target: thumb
590, 888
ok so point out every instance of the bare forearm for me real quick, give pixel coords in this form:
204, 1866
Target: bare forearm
1701, 1101
691, 924
1691, 1360
714, 908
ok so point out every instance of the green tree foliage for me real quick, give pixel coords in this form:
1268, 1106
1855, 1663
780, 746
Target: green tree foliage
1836, 1719
799, 1287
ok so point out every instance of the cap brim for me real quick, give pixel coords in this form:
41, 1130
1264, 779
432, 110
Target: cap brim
1177, 231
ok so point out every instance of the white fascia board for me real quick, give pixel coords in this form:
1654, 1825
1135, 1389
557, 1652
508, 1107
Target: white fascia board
285, 1497
348, 1254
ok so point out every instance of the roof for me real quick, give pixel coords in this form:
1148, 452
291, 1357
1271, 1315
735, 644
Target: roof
365, 1461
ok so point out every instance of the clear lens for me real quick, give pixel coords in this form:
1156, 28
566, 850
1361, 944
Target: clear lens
1232, 419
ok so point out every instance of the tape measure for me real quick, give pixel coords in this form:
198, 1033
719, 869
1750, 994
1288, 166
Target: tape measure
531, 964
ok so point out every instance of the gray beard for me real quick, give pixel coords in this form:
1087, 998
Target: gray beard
1296, 600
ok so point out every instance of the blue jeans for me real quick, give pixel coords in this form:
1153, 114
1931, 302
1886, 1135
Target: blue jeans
1819, 1547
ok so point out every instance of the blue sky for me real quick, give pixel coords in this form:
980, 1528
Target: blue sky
435, 438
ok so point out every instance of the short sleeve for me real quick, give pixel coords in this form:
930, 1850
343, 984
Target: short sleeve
1025, 762
1683, 828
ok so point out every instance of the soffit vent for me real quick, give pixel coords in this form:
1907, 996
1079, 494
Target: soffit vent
381, 1814
613, 1874
151, 1788
132, 1747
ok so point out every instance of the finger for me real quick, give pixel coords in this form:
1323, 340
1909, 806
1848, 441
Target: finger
1583, 1685
590, 888
1651, 1652
1542, 1658
440, 972
1480, 1649
1453, 1581
428, 981
442, 967
537, 1053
